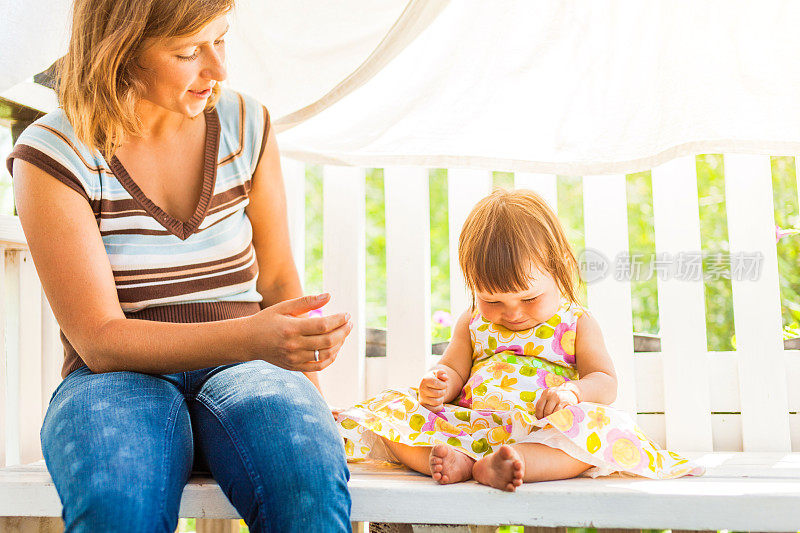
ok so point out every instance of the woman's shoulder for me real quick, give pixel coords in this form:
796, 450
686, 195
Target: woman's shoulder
236, 107
244, 122
54, 128
50, 144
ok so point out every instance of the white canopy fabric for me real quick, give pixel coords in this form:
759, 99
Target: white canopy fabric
564, 87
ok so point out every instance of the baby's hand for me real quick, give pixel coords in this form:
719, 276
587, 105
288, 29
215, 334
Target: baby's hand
556, 398
432, 389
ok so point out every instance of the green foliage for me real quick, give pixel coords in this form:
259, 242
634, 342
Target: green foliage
570, 212
784, 190
313, 278
641, 240
440, 250
376, 249
714, 240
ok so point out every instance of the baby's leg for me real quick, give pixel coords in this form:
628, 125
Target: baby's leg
442, 462
508, 466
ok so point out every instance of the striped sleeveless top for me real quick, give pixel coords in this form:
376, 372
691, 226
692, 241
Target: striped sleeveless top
165, 269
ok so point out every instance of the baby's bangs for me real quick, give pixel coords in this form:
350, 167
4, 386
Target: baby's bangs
501, 262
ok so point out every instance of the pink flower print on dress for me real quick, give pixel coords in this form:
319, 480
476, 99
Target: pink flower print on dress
513, 348
438, 422
547, 379
564, 342
465, 398
567, 420
623, 448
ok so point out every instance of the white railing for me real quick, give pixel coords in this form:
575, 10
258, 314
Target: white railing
685, 397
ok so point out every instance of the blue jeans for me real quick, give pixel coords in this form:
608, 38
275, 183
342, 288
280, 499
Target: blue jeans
120, 447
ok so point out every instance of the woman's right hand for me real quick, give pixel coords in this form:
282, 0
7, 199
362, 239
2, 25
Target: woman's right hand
432, 390
284, 337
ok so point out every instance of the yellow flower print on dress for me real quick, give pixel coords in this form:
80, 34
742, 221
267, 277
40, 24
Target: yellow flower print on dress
507, 383
598, 419
499, 435
548, 379
624, 449
503, 333
567, 420
497, 369
492, 402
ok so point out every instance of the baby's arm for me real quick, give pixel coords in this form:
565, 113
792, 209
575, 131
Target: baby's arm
598, 382
444, 381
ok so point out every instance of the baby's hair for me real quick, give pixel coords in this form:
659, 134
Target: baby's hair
505, 234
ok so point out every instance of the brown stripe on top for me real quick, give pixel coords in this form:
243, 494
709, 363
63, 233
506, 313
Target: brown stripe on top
166, 270
48, 164
68, 142
156, 292
185, 273
227, 198
154, 232
185, 276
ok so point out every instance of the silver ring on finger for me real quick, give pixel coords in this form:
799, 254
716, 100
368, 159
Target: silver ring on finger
316, 355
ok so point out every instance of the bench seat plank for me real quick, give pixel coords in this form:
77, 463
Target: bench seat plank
741, 491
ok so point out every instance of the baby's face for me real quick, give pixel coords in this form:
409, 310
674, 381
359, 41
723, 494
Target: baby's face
521, 310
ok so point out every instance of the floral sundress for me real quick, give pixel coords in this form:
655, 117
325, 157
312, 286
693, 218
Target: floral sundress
510, 369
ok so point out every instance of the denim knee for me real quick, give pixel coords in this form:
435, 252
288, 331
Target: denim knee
119, 448
292, 451
104, 507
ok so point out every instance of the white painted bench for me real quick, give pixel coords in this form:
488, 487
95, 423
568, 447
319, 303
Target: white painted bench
739, 416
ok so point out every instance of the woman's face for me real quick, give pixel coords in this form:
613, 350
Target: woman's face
179, 72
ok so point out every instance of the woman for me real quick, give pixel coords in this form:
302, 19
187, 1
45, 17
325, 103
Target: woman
162, 246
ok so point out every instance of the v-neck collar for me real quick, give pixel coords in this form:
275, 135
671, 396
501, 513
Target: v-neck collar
180, 229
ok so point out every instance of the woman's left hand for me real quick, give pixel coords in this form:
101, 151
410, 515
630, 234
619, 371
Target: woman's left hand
556, 398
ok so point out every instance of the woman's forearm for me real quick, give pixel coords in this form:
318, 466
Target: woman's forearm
164, 348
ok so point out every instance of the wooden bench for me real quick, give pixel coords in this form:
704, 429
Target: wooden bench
735, 412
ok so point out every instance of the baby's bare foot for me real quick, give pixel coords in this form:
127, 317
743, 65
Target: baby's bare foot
449, 465
502, 469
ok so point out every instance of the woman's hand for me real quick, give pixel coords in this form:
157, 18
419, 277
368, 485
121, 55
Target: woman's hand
556, 398
432, 389
285, 338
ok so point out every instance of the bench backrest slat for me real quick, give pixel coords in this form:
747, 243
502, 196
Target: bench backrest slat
605, 218
408, 274
344, 276
681, 305
756, 304
30, 359
464, 189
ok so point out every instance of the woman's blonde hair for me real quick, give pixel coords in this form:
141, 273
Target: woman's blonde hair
506, 234
97, 83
